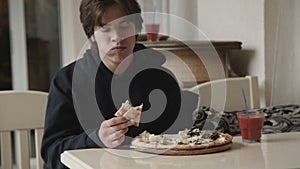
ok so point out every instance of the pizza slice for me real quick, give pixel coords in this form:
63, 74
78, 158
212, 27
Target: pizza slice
130, 113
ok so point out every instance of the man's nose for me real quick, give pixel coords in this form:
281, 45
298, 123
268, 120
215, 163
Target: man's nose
117, 36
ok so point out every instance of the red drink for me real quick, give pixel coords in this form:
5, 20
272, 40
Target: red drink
152, 31
251, 126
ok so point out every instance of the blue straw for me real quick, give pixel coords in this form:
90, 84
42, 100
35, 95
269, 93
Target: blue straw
154, 12
245, 101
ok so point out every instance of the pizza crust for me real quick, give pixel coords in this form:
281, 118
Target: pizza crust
136, 143
172, 152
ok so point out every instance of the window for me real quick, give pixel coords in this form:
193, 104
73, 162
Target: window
42, 40
29, 45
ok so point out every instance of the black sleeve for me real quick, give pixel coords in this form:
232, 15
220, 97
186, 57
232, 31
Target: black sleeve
62, 130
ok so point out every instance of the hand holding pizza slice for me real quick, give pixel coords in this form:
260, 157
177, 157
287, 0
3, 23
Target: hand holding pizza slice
130, 113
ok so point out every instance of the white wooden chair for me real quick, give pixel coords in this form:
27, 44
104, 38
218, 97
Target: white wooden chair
20, 112
226, 94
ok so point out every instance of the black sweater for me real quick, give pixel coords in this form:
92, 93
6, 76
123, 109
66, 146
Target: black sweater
85, 93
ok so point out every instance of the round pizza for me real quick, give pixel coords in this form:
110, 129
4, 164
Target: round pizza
186, 142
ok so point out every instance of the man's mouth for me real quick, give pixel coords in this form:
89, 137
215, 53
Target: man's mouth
118, 48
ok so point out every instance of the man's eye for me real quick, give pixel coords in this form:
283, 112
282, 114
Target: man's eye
124, 25
104, 29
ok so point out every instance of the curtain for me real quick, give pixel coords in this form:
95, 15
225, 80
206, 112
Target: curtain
286, 79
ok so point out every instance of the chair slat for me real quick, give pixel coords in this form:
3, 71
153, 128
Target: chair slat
38, 142
6, 150
22, 149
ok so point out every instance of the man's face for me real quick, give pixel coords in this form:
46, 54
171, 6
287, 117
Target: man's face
116, 38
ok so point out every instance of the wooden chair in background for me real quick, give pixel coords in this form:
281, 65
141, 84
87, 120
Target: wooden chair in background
21, 112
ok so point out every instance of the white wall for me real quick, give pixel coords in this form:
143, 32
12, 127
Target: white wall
187, 11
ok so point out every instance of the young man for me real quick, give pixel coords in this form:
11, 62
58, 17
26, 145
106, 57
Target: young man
85, 95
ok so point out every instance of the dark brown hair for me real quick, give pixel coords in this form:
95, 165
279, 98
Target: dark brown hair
91, 12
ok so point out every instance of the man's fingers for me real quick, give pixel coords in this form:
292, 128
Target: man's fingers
115, 121
117, 135
117, 142
121, 126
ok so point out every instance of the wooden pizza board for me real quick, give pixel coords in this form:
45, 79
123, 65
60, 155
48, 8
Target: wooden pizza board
172, 152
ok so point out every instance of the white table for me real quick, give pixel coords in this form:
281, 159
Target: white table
275, 151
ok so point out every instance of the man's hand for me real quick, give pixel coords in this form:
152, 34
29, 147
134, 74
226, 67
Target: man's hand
112, 131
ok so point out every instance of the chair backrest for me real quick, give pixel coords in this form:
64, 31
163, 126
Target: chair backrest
21, 112
226, 94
